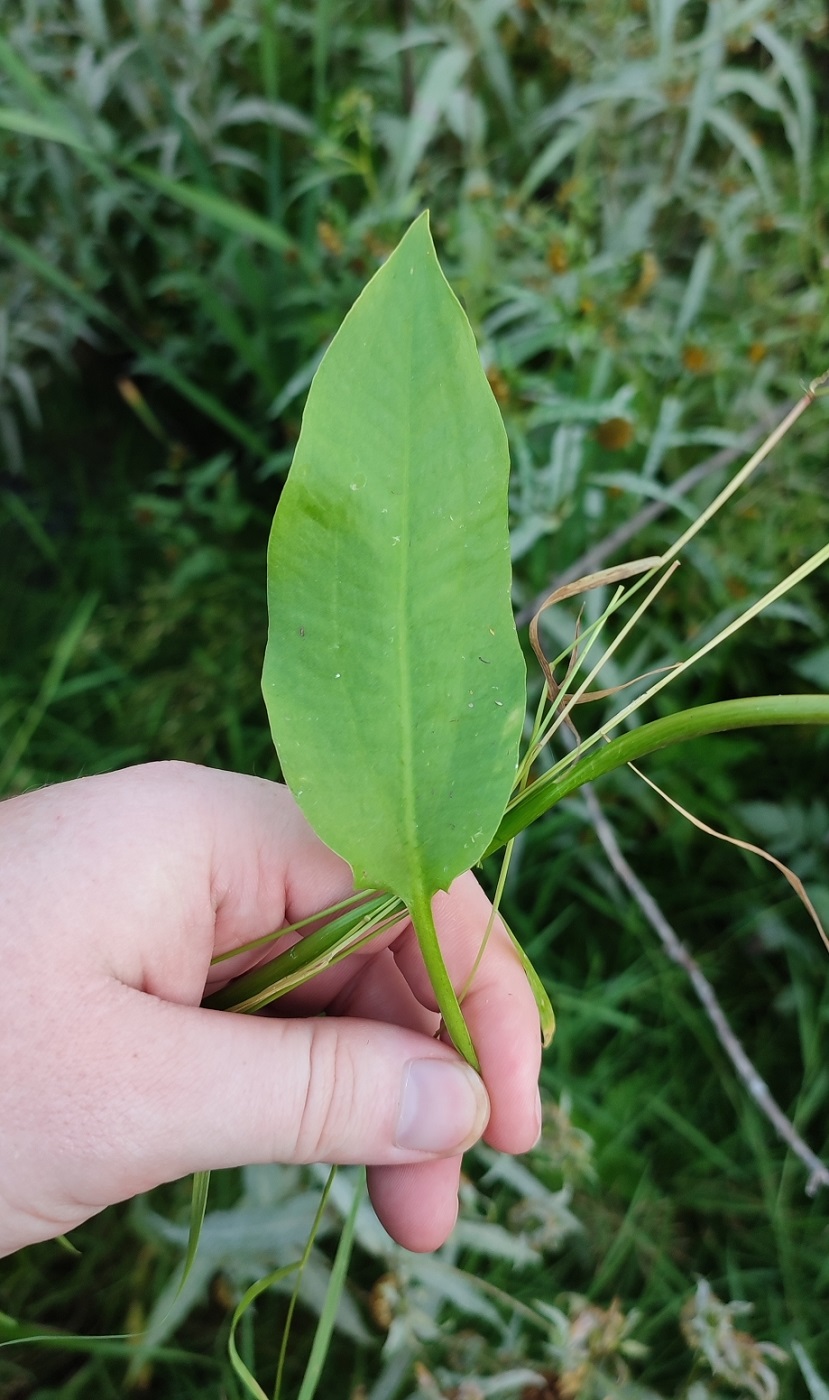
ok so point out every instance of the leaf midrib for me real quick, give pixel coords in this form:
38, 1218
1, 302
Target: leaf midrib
410, 823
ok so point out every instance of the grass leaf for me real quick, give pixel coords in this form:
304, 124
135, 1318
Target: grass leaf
198, 1206
817, 1388
325, 1326
215, 207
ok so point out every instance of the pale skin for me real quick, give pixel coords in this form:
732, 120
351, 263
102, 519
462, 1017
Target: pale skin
117, 892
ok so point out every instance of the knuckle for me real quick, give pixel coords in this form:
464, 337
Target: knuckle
327, 1116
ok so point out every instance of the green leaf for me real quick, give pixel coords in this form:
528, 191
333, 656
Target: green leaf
328, 1316
393, 677
818, 1389
25, 124
317, 950
198, 1206
215, 207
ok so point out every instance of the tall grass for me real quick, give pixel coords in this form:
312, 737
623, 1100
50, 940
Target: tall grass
630, 200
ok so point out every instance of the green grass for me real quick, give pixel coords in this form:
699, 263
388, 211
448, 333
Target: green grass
641, 251
691, 1179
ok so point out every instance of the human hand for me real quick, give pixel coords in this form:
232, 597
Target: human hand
117, 892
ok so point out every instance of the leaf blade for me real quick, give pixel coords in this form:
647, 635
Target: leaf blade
393, 677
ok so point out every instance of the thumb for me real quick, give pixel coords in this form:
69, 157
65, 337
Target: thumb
196, 1089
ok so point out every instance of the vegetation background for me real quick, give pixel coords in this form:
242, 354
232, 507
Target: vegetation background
630, 198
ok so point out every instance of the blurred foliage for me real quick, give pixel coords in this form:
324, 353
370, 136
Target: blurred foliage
631, 201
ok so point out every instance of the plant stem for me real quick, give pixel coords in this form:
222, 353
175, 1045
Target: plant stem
776, 435
251, 991
420, 909
672, 729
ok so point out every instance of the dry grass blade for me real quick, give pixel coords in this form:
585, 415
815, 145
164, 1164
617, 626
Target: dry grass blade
619, 574
562, 705
794, 880
815, 561
608, 691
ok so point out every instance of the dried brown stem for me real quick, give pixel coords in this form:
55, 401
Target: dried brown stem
747, 1073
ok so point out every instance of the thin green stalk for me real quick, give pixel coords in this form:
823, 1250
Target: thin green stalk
323, 15
358, 898
423, 919
255, 989
327, 1318
242, 1371
490, 923
336, 939
560, 715
14, 1333
816, 389
198, 1207
546, 1014
328, 1315
269, 69
286, 1332
62, 655
539, 735
796, 576
341, 948
810, 565
658, 734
